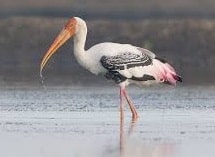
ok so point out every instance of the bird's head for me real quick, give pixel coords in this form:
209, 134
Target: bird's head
70, 29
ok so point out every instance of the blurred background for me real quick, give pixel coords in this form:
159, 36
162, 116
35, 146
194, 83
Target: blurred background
182, 32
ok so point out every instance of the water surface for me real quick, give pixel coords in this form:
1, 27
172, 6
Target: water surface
67, 122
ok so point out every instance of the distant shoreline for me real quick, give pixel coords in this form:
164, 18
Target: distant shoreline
114, 15
188, 44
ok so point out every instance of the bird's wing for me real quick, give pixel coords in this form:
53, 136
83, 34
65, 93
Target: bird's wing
147, 52
126, 60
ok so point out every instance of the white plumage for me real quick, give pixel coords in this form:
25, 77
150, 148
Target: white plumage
123, 63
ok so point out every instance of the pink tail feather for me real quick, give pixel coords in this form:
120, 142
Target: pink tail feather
171, 75
167, 73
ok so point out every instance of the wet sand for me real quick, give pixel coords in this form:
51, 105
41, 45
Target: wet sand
62, 122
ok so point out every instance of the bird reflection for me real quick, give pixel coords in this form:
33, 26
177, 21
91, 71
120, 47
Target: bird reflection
123, 136
137, 149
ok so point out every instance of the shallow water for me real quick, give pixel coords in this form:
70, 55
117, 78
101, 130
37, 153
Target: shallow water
67, 122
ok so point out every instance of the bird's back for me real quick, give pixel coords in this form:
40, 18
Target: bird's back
112, 49
97, 51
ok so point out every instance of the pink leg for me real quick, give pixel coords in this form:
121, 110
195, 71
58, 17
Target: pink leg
122, 138
122, 142
131, 105
133, 122
121, 104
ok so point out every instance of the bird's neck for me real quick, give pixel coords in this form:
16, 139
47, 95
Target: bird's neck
79, 47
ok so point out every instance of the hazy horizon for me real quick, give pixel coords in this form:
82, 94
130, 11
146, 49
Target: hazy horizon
125, 9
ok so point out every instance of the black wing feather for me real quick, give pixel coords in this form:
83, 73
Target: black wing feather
125, 61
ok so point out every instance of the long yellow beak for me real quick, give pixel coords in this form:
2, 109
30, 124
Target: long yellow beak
67, 32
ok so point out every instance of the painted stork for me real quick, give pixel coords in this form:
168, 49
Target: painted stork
122, 63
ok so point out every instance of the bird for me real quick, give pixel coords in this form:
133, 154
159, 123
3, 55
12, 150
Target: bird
122, 63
